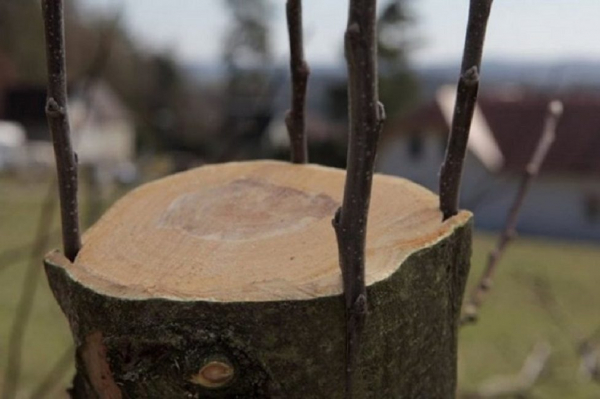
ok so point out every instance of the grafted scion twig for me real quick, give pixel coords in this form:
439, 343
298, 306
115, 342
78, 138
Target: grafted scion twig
466, 98
58, 121
366, 120
295, 118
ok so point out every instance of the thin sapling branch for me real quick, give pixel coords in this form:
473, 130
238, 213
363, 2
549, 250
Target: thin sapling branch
58, 122
366, 120
464, 107
295, 118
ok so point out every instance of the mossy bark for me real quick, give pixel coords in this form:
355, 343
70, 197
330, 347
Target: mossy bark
280, 349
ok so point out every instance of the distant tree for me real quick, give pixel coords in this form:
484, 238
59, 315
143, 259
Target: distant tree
151, 85
247, 47
247, 55
247, 43
21, 34
398, 85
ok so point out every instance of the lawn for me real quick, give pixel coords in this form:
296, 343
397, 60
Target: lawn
512, 320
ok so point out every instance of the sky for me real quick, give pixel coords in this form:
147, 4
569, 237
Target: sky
520, 30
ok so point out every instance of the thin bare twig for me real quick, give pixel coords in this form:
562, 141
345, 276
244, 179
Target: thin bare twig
471, 310
586, 346
366, 120
466, 98
25, 305
295, 118
58, 122
56, 374
520, 384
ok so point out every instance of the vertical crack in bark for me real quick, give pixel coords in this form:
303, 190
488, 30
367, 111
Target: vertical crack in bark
58, 122
295, 118
466, 99
366, 120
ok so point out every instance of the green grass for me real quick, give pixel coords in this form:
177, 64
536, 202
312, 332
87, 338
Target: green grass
48, 335
512, 320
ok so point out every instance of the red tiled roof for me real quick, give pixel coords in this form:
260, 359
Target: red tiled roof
517, 125
427, 117
517, 120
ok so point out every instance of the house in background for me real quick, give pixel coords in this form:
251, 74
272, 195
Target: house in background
564, 201
102, 129
12, 144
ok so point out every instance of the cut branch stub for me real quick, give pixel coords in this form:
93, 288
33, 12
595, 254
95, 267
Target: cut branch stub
216, 373
234, 267
466, 99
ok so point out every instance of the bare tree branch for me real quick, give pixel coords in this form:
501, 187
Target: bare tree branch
589, 366
520, 384
586, 346
471, 310
466, 98
295, 118
366, 120
30, 285
58, 121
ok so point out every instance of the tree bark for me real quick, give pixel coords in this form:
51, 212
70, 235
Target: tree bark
160, 327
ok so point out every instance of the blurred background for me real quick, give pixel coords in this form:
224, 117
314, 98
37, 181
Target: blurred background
160, 86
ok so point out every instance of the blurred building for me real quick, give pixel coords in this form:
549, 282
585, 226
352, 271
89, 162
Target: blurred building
12, 144
102, 129
564, 200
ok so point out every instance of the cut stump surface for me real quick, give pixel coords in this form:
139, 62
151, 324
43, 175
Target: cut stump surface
239, 262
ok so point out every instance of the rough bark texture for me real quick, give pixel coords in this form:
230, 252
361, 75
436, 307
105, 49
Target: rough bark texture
279, 349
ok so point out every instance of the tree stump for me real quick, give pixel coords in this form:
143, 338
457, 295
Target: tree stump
223, 282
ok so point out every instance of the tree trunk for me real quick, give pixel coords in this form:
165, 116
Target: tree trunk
223, 282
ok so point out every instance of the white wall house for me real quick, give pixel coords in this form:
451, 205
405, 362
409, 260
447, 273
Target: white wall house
102, 129
12, 144
564, 200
